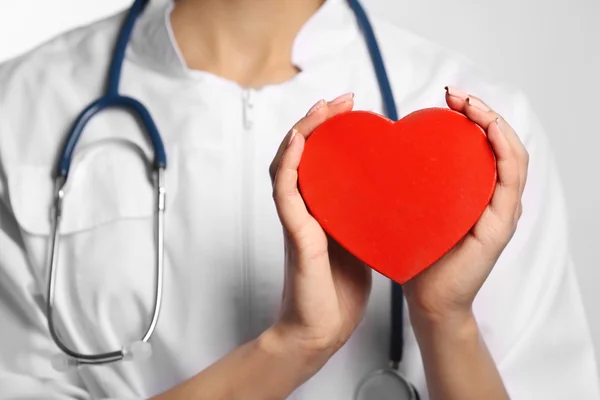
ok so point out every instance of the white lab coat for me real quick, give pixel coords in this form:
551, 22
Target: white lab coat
224, 259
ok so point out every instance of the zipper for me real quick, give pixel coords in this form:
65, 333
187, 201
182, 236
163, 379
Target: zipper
247, 176
247, 108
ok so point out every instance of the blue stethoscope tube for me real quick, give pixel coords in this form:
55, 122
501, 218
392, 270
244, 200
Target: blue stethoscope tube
391, 111
112, 99
396, 351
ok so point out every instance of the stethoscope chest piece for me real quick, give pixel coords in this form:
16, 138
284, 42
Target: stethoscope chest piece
385, 384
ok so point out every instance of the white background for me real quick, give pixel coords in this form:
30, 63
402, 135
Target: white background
551, 49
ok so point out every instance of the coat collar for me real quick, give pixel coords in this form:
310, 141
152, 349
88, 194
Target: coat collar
153, 45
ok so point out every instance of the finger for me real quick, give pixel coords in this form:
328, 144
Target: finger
290, 205
518, 212
483, 115
317, 114
456, 98
519, 149
474, 108
480, 113
507, 194
322, 111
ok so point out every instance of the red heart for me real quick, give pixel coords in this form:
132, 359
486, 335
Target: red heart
398, 195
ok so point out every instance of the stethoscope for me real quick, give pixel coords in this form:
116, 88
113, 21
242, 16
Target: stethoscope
382, 384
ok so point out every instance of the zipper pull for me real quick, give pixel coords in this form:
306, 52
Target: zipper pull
247, 109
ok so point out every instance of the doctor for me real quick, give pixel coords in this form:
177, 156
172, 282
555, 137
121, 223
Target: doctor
225, 81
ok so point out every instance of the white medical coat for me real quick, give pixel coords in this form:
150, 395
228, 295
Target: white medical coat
224, 254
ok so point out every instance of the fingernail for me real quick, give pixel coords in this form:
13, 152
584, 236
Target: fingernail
477, 104
314, 108
456, 92
343, 98
499, 125
292, 136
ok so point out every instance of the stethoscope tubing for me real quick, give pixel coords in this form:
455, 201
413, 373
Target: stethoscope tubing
391, 111
112, 99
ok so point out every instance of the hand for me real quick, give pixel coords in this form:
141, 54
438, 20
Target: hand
326, 288
446, 290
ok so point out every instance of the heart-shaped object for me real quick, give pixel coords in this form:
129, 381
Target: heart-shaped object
398, 195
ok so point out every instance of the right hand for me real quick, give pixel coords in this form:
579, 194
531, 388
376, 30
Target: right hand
326, 288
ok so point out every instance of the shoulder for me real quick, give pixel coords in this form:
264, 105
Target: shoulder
47, 80
59, 55
420, 68
423, 59
535, 268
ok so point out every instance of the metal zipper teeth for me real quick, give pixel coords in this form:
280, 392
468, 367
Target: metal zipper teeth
247, 204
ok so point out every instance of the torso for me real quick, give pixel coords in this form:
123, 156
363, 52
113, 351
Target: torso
223, 244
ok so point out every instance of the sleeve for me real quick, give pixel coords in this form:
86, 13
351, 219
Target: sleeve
25, 345
26, 348
530, 309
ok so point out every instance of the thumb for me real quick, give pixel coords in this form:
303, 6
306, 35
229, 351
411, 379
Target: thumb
290, 206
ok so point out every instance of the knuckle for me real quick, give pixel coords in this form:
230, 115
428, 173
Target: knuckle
310, 243
499, 120
315, 251
506, 231
511, 223
282, 194
297, 232
519, 212
510, 182
525, 156
272, 170
514, 226
274, 167
499, 226
488, 235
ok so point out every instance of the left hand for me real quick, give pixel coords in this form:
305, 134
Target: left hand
446, 290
